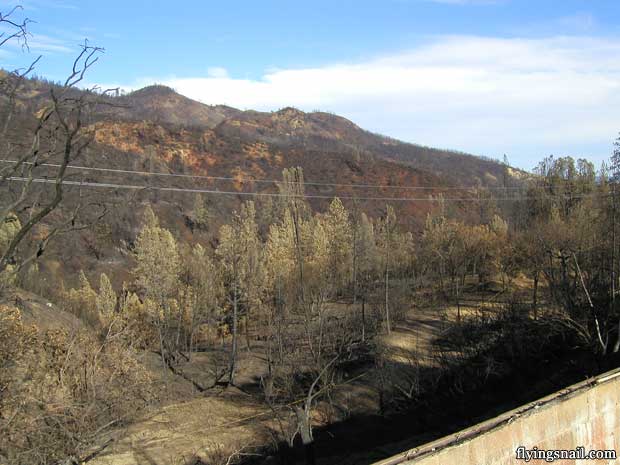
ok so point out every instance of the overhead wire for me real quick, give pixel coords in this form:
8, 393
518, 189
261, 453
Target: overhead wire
273, 194
259, 181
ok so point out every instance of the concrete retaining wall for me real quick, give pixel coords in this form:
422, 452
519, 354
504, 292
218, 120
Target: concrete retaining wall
586, 414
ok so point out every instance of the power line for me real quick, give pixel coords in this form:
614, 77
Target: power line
271, 194
259, 181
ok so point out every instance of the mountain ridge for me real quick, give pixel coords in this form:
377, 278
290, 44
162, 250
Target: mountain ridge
315, 130
288, 127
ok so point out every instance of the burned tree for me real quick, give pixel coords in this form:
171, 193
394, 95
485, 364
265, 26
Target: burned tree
37, 147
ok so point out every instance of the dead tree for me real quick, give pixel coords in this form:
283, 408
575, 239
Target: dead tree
40, 155
303, 414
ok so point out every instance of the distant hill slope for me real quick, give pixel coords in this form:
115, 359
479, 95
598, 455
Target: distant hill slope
157, 130
292, 128
285, 130
327, 132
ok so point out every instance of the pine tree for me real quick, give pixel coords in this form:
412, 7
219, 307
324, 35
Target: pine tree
281, 270
280, 249
292, 190
9, 227
105, 302
239, 251
387, 229
204, 283
134, 315
200, 212
149, 218
158, 262
157, 272
292, 186
81, 301
338, 230
366, 263
83, 280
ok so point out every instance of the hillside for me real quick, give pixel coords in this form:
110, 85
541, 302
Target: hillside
290, 128
157, 130
312, 135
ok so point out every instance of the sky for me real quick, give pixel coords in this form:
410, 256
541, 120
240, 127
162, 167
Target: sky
522, 78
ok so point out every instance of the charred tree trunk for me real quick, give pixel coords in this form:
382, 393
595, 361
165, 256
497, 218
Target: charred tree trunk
388, 323
535, 296
363, 319
246, 320
233, 351
305, 431
458, 303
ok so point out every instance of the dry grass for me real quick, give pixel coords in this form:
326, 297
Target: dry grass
186, 430
36, 310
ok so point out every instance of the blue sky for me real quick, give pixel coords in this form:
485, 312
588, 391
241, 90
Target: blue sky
525, 78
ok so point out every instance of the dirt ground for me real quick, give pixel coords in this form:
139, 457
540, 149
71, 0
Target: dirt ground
231, 419
222, 420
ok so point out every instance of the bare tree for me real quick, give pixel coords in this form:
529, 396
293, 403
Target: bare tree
57, 134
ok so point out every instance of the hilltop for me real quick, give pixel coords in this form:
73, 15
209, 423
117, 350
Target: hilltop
304, 131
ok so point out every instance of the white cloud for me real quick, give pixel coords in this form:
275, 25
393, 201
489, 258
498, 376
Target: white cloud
525, 97
36, 42
45, 43
217, 72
